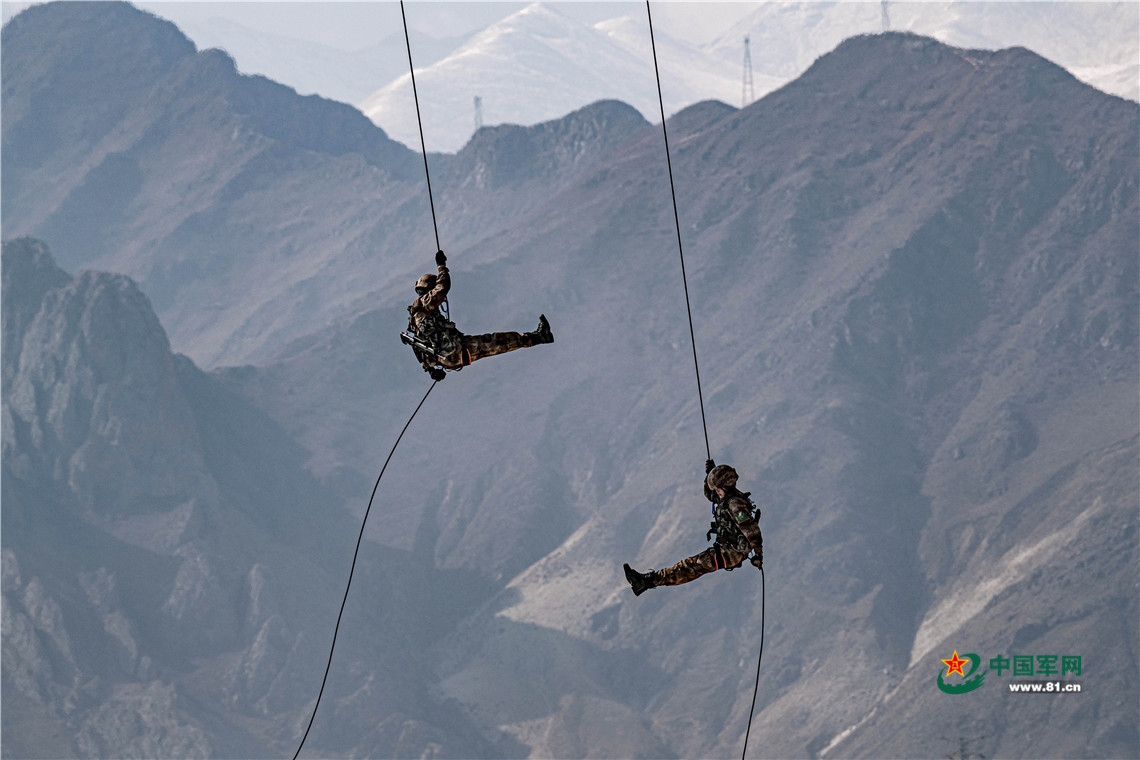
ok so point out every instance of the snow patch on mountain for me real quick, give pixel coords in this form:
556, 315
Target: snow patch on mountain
537, 65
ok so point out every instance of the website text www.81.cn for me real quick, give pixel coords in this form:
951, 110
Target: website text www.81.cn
1045, 687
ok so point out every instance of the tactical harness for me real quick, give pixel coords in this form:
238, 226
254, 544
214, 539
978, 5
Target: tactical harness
437, 337
726, 525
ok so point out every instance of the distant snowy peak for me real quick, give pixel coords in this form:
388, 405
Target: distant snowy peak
532, 66
785, 38
536, 20
537, 65
1098, 42
688, 74
315, 68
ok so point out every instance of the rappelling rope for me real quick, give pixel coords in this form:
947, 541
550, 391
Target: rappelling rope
756, 688
419, 121
677, 222
353, 569
692, 336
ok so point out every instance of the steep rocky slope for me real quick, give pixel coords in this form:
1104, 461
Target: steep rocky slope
209, 187
914, 275
166, 559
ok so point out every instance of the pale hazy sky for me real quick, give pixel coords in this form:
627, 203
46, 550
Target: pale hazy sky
351, 25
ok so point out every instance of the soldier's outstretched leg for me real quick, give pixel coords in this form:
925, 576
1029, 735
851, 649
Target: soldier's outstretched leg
689, 569
492, 344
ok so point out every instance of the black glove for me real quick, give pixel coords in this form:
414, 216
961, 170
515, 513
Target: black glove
440, 259
437, 374
757, 560
709, 464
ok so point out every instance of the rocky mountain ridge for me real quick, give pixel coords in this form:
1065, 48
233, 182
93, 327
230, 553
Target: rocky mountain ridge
1099, 43
536, 63
194, 157
166, 557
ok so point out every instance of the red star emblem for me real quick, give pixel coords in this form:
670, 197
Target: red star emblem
954, 665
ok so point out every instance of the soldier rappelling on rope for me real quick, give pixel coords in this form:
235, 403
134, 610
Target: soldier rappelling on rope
439, 345
737, 529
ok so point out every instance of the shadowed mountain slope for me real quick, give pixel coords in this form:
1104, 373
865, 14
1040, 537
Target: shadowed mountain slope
166, 557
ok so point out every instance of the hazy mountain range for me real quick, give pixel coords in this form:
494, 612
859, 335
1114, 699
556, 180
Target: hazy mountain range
914, 279
539, 64
315, 69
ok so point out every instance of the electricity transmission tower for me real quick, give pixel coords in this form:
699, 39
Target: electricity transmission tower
747, 90
478, 113
886, 17
963, 752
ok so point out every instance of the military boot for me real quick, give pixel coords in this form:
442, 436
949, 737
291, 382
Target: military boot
640, 582
543, 331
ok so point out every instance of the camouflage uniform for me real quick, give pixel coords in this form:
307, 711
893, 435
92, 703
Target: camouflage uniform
691, 568
738, 533
454, 348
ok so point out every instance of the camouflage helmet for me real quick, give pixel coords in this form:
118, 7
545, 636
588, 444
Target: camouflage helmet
425, 283
721, 476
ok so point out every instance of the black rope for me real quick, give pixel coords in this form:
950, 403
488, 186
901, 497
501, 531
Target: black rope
756, 688
353, 570
419, 121
677, 221
696, 365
